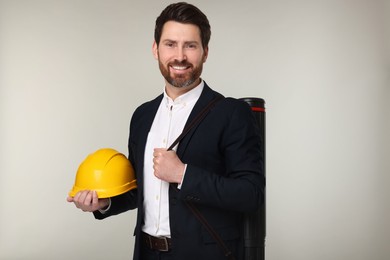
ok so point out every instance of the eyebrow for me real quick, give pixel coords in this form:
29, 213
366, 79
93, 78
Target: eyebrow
186, 42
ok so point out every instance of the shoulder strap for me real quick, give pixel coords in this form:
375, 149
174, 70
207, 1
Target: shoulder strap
199, 117
191, 206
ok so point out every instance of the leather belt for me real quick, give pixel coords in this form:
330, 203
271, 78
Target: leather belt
157, 243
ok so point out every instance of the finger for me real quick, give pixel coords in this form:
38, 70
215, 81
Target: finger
155, 167
88, 198
81, 199
69, 199
155, 160
95, 200
171, 153
76, 199
83, 195
158, 151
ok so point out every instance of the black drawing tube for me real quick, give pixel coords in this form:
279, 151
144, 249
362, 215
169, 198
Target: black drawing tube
255, 223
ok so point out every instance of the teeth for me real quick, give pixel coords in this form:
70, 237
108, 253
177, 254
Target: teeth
179, 67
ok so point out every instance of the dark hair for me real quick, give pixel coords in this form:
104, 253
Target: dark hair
183, 13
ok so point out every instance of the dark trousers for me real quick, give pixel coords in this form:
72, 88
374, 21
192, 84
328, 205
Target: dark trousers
150, 254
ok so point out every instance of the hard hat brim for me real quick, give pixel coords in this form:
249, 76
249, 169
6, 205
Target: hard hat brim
104, 193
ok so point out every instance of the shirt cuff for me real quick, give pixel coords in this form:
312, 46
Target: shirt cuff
184, 173
103, 211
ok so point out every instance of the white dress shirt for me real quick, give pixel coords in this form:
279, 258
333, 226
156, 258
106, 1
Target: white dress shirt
168, 124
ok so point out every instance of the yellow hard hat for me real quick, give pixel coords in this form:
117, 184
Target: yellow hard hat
105, 171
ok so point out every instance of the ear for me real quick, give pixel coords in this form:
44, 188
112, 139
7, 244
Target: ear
155, 50
205, 54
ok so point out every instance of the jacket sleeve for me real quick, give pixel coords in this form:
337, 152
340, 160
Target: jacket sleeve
227, 171
119, 204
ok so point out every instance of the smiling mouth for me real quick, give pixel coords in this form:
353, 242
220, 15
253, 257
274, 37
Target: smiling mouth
180, 67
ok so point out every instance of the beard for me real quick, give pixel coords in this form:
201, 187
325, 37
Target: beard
181, 80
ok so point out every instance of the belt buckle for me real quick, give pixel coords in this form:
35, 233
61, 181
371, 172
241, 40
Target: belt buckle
165, 243
150, 241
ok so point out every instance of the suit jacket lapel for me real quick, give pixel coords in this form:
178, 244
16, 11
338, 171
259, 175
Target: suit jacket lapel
206, 96
144, 129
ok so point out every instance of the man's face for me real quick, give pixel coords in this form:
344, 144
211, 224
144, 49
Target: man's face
180, 54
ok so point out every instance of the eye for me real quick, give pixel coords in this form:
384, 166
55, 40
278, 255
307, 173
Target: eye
191, 46
169, 44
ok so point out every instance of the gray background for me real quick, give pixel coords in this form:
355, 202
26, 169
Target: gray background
73, 71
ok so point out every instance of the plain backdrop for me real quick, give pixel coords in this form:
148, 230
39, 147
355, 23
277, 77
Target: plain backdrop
73, 71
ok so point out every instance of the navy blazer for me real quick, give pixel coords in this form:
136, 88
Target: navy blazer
224, 177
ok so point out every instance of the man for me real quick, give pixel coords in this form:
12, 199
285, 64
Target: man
216, 166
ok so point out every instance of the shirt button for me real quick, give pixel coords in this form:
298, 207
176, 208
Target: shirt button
157, 197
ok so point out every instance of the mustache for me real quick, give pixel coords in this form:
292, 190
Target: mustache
180, 63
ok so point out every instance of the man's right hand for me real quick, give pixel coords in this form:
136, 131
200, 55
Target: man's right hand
87, 200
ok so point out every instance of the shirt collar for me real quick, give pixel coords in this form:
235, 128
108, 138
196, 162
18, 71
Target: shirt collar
187, 97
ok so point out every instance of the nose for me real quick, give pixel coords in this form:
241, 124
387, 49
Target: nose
181, 54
